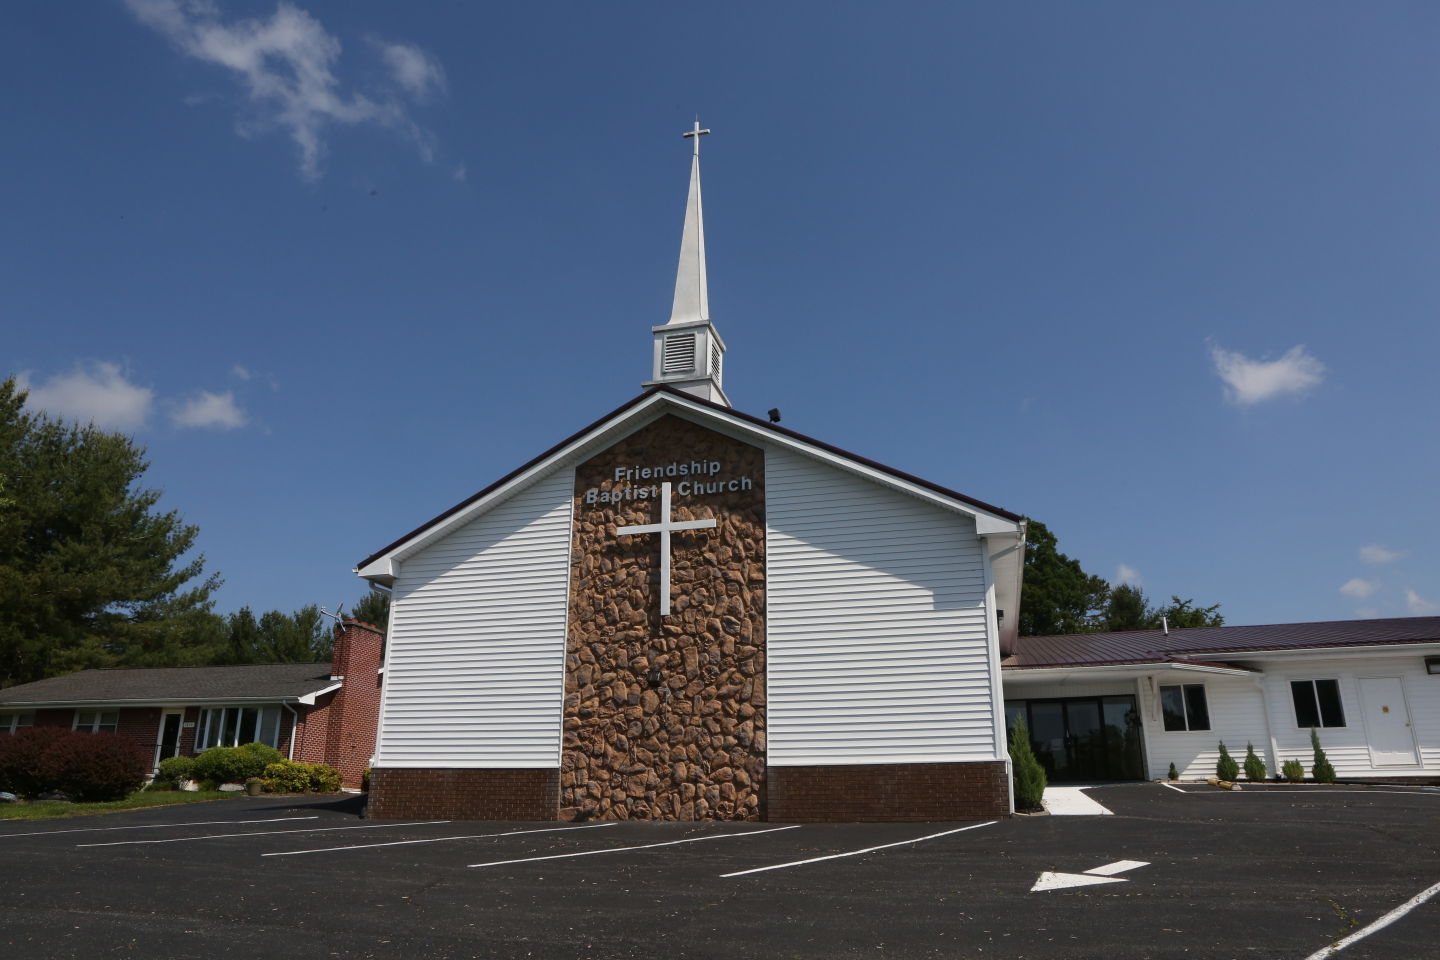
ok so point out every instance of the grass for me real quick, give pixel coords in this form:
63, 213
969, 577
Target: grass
49, 809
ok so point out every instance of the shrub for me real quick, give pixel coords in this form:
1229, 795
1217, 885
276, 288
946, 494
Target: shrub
176, 770
293, 776
365, 781
1320, 767
1174, 774
1254, 766
1226, 768
24, 768
1028, 775
88, 767
235, 764
1293, 770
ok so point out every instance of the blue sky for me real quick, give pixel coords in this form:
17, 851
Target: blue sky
1160, 275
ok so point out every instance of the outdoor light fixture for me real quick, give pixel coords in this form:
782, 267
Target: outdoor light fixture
1432, 664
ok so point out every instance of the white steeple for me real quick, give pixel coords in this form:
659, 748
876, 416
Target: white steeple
688, 352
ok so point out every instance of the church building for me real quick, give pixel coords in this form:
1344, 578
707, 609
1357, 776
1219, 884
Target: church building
685, 612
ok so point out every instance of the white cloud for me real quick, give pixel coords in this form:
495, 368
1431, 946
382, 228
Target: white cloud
1374, 553
1253, 381
1127, 574
1418, 605
96, 393
1359, 589
240, 373
414, 70
213, 410
459, 173
286, 64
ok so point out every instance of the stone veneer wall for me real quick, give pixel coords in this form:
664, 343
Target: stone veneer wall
665, 717
890, 791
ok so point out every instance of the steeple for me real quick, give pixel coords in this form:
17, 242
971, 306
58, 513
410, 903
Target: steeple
688, 352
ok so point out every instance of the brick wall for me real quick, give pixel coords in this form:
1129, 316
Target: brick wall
340, 728
399, 793
888, 792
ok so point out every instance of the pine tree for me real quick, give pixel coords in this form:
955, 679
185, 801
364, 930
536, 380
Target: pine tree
1320, 768
1028, 775
92, 573
1254, 766
1226, 768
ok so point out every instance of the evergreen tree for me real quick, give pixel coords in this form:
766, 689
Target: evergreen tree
92, 574
1026, 772
374, 609
1320, 768
1226, 768
1058, 595
1127, 610
276, 637
1254, 766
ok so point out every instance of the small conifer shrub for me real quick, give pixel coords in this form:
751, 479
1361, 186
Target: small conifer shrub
1226, 768
1293, 770
1028, 775
1320, 767
1174, 774
1254, 766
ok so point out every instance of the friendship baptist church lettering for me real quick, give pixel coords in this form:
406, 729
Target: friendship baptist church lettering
685, 612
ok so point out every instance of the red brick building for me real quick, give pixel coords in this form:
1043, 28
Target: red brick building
315, 712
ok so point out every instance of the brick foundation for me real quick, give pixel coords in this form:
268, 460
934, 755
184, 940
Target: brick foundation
888, 792
403, 794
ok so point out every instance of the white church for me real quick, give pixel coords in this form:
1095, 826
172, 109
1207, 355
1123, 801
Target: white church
686, 612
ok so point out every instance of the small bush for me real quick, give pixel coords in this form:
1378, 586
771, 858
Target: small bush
1226, 768
1254, 766
1173, 774
1320, 768
365, 781
293, 776
175, 770
235, 764
87, 767
1026, 771
208, 786
1293, 770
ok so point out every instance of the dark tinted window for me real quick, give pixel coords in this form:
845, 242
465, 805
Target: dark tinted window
1196, 709
1317, 703
1172, 704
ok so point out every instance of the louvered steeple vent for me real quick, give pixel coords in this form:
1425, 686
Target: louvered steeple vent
688, 350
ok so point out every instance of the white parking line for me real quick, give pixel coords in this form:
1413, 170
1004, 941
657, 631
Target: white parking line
1379, 924
856, 853
1275, 791
645, 846
262, 833
151, 826
473, 836
1173, 787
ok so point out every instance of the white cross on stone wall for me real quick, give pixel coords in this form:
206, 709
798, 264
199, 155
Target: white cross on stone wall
664, 528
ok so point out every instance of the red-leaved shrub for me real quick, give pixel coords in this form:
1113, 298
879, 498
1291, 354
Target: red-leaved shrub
86, 767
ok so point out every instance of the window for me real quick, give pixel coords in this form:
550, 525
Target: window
232, 726
97, 721
1317, 703
1185, 707
12, 721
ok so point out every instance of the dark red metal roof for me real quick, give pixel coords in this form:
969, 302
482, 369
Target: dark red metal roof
1155, 646
718, 408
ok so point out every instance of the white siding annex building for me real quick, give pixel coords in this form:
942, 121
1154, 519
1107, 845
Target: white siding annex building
686, 612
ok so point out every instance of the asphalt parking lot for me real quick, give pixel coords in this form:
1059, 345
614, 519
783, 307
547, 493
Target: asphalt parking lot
1196, 872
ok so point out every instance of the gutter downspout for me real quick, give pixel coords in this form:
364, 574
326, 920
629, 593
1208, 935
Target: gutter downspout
294, 728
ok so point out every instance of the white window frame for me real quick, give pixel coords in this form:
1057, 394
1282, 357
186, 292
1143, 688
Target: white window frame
1315, 697
211, 726
14, 720
95, 722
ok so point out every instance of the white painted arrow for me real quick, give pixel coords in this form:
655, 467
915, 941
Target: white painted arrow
1051, 880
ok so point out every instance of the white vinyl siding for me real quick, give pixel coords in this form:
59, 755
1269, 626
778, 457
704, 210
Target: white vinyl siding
1348, 747
474, 675
877, 644
1237, 716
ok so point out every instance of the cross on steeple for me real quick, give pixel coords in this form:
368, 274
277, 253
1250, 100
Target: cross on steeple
664, 528
697, 133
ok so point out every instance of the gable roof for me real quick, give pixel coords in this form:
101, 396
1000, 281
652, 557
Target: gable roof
1155, 646
270, 682
603, 431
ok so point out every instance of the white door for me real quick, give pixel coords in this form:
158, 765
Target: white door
1387, 722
